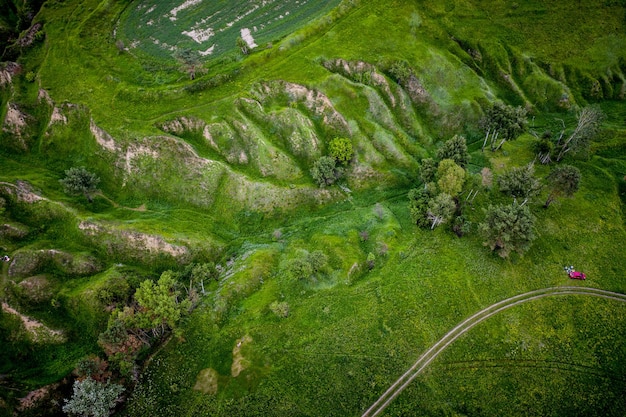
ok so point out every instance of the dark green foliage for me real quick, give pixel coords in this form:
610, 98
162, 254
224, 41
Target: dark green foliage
544, 148
562, 181
508, 228
418, 206
93, 399
520, 182
115, 290
341, 150
427, 170
501, 123
455, 149
80, 181
461, 226
325, 171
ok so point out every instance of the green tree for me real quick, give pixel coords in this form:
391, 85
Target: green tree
520, 182
440, 209
588, 126
325, 171
450, 177
341, 150
508, 228
160, 307
562, 181
418, 206
80, 181
93, 399
455, 149
503, 122
427, 170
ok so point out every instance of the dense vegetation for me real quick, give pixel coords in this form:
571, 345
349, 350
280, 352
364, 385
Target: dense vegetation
284, 229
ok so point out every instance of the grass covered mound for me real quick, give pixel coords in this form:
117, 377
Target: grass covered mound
313, 288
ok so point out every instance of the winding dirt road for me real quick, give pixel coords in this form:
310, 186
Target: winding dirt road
431, 354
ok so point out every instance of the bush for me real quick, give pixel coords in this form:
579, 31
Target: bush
325, 171
91, 398
341, 150
281, 309
80, 181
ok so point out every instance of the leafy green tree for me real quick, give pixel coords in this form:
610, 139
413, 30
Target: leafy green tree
562, 181
325, 171
93, 399
503, 122
455, 149
508, 228
80, 181
450, 177
440, 209
160, 307
427, 170
418, 206
341, 150
588, 126
520, 182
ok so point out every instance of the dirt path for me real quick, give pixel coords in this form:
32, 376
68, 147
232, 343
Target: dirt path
431, 354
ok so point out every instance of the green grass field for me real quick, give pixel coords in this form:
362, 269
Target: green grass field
217, 169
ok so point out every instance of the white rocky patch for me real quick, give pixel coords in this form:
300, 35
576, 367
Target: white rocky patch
208, 51
200, 35
185, 5
247, 36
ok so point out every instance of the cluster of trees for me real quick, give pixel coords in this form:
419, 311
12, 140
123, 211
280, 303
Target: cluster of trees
328, 169
436, 201
153, 312
507, 227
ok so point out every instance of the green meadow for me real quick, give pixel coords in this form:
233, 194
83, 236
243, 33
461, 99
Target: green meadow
216, 170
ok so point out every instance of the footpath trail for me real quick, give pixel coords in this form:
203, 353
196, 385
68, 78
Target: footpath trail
431, 354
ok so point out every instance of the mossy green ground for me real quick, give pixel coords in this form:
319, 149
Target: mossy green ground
351, 332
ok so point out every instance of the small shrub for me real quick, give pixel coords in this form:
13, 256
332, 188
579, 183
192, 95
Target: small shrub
364, 235
298, 269
281, 309
371, 261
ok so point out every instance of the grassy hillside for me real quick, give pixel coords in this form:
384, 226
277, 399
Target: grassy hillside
218, 169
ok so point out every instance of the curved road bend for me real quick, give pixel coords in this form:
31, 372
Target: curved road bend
431, 354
